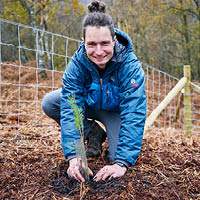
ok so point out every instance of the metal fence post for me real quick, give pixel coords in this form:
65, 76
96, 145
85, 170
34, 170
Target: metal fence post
187, 101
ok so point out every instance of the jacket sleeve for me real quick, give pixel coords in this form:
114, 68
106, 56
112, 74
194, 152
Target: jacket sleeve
72, 84
132, 110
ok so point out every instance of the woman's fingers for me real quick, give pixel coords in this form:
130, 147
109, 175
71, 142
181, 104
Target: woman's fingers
90, 172
110, 171
102, 174
74, 172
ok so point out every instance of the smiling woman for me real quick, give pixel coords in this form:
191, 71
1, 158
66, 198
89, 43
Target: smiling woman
99, 45
101, 74
98, 34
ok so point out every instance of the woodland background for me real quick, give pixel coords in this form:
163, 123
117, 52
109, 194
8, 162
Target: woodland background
165, 33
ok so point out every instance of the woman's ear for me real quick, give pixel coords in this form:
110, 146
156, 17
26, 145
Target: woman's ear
114, 40
82, 39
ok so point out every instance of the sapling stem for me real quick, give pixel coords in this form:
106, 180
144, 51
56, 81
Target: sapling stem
79, 144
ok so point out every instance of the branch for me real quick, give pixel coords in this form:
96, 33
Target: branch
25, 6
189, 11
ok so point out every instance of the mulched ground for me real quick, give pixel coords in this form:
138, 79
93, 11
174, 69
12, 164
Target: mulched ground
32, 165
34, 168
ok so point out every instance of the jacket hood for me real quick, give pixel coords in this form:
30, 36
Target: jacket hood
122, 46
124, 39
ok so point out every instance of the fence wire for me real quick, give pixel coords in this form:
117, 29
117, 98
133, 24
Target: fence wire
32, 63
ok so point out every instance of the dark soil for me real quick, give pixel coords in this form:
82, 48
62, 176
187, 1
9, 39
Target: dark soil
32, 165
168, 168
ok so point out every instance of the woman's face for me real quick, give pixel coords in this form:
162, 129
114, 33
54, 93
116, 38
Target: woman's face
99, 45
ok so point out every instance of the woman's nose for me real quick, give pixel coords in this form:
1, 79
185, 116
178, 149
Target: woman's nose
98, 49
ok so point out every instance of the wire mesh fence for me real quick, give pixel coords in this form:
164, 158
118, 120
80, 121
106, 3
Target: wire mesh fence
195, 110
158, 85
32, 63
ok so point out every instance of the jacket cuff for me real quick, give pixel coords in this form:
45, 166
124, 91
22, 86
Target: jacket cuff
122, 162
71, 157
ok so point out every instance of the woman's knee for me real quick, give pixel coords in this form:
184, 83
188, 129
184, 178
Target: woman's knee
47, 104
51, 103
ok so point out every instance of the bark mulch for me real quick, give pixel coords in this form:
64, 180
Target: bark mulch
33, 167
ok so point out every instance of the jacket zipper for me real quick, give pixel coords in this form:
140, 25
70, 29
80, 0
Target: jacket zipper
101, 81
101, 84
108, 94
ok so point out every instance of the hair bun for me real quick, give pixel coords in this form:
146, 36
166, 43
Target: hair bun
96, 6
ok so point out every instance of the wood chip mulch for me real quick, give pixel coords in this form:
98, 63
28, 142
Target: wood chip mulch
34, 168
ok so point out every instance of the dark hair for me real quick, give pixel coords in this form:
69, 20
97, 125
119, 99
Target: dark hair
97, 17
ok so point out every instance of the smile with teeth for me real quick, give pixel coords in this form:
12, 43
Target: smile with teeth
100, 58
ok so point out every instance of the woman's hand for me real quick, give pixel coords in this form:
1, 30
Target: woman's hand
73, 170
112, 171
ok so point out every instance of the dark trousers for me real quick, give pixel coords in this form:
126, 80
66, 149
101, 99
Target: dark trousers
111, 120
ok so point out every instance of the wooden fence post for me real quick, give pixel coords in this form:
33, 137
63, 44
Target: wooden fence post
179, 105
156, 112
187, 101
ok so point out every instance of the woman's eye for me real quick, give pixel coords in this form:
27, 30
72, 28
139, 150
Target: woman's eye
105, 43
91, 44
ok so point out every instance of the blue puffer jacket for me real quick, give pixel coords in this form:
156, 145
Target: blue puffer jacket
122, 89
